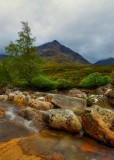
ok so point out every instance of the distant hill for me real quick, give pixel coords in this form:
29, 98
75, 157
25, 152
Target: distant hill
3, 56
109, 61
56, 52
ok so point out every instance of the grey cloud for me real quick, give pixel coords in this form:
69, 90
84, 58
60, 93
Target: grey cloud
85, 26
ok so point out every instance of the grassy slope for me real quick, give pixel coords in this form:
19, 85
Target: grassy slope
73, 72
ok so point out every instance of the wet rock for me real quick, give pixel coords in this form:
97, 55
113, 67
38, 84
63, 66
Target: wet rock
104, 89
7, 91
62, 120
39, 105
45, 144
12, 151
19, 99
55, 156
41, 99
2, 112
3, 97
49, 97
38, 121
77, 105
99, 124
27, 113
100, 100
32, 114
77, 93
11, 96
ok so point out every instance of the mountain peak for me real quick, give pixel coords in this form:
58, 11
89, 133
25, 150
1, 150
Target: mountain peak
56, 52
55, 42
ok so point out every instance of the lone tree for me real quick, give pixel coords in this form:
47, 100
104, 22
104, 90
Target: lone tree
25, 62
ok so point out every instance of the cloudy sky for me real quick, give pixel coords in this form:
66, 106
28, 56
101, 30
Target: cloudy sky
85, 26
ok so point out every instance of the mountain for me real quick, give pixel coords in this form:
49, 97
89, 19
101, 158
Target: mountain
109, 61
56, 52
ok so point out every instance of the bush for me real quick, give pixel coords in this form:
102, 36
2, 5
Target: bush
106, 80
94, 80
63, 84
43, 83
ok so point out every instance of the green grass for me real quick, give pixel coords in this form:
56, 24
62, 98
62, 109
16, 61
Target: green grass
74, 73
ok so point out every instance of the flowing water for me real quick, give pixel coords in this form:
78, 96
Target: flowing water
12, 125
44, 142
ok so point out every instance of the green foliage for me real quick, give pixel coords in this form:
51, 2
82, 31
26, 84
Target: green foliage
94, 80
63, 84
106, 80
5, 77
112, 75
43, 83
25, 64
23, 45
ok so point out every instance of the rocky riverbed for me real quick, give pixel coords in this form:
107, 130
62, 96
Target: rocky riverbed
74, 126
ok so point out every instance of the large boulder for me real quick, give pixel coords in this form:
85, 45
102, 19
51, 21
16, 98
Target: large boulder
99, 124
62, 120
77, 105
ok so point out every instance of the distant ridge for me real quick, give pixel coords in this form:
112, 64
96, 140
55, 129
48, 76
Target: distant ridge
2, 56
108, 61
56, 52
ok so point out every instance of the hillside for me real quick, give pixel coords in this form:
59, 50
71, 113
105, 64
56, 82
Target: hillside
109, 61
56, 52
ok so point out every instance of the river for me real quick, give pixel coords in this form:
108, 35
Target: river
71, 146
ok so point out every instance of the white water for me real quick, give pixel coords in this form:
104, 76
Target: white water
11, 115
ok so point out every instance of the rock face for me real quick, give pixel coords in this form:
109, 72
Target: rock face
77, 105
99, 124
62, 120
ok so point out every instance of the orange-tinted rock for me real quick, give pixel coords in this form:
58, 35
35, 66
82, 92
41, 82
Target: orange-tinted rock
12, 151
55, 156
99, 124
2, 112
39, 105
49, 97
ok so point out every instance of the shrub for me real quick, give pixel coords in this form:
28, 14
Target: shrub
63, 84
94, 80
43, 83
106, 80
